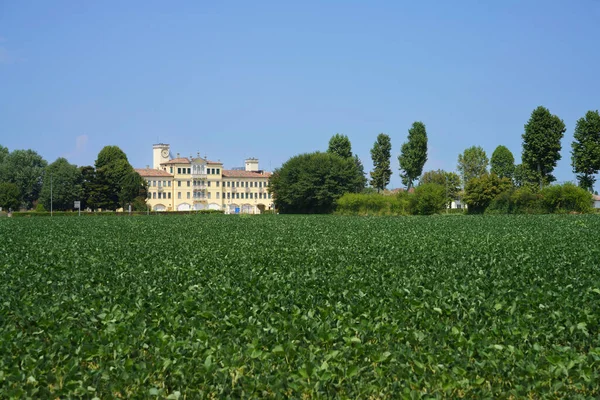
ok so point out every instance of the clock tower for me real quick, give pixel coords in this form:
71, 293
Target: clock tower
160, 154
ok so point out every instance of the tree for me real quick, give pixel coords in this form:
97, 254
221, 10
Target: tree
541, 144
88, 176
340, 145
62, 185
362, 180
585, 153
413, 154
449, 180
10, 197
3, 154
380, 154
480, 191
312, 182
25, 169
112, 168
133, 187
428, 199
472, 164
502, 162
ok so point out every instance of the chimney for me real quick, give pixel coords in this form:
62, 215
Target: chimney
177, 155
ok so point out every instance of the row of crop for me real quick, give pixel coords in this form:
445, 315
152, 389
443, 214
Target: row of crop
29, 214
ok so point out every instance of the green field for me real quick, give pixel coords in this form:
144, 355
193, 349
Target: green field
300, 306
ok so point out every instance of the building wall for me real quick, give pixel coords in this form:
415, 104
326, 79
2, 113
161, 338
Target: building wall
214, 191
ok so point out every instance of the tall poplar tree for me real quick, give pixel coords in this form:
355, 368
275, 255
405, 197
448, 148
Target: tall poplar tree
340, 145
541, 144
380, 154
585, 153
413, 154
502, 162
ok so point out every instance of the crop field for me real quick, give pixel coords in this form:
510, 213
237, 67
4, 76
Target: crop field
220, 306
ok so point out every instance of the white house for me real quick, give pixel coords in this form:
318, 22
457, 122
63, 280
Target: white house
596, 199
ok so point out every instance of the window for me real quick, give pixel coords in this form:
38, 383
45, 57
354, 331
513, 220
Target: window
154, 183
246, 183
208, 183
169, 195
250, 195
237, 184
212, 171
228, 184
188, 183
179, 195
149, 195
169, 183
218, 171
209, 195
237, 195
179, 183
259, 184
269, 195
189, 170
188, 195
217, 183
246, 194
228, 195
154, 195
179, 170
171, 169
260, 195
217, 195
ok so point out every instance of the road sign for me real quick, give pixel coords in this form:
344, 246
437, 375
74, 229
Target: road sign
77, 204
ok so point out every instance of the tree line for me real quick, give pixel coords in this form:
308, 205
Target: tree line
27, 181
313, 182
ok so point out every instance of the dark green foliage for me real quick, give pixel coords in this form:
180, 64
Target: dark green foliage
300, 307
24, 168
541, 145
88, 192
413, 154
428, 199
480, 192
362, 179
10, 197
311, 183
380, 154
65, 181
523, 200
449, 180
586, 149
472, 164
340, 145
115, 181
566, 198
502, 162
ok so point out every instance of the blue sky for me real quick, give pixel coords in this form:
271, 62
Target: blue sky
274, 79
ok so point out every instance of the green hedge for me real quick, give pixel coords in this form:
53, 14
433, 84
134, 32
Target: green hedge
372, 204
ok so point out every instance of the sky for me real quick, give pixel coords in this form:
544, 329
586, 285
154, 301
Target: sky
272, 79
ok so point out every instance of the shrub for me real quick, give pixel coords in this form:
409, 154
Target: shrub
371, 204
428, 199
566, 198
40, 208
480, 192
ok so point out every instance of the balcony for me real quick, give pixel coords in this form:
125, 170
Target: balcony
198, 176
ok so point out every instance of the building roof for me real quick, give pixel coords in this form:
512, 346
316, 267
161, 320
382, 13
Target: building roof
152, 172
234, 173
180, 160
596, 197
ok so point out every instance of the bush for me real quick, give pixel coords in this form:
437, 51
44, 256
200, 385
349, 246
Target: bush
566, 198
480, 192
40, 208
371, 204
428, 199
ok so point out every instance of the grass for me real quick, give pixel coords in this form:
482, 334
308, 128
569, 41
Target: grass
300, 306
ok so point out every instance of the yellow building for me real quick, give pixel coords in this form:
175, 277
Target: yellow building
187, 183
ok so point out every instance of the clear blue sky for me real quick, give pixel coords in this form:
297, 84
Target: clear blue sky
273, 79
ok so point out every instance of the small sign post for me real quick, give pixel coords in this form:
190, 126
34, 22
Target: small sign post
78, 207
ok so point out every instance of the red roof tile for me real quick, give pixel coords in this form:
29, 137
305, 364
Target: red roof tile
152, 172
180, 160
596, 197
234, 173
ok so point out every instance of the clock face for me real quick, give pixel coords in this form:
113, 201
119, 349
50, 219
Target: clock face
165, 153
